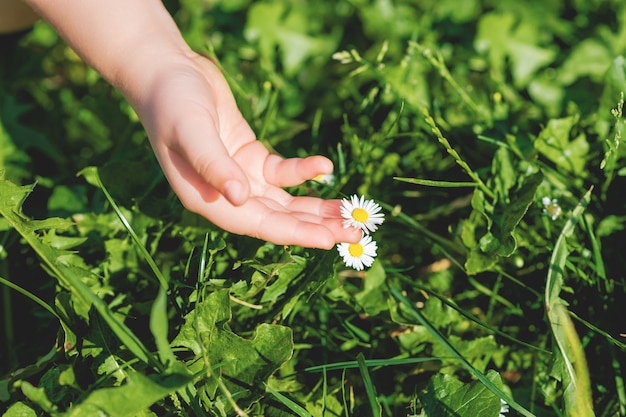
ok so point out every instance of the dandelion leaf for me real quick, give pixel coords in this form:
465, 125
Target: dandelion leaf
19, 409
276, 26
500, 239
63, 265
554, 143
446, 396
243, 365
373, 296
502, 38
131, 399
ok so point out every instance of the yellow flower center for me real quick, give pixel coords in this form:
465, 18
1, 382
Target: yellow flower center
355, 249
360, 215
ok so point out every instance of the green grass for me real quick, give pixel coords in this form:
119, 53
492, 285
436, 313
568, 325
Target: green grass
457, 117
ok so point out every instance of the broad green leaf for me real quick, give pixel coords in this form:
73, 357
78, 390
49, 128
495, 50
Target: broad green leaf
67, 200
504, 174
374, 294
131, 399
555, 144
477, 262
70, 277
406, 309
446, 396
275, 25
19, 409
503, 36
39, 396
439, 314
500, 239
240, 366
283, 276
389, 19
589, 58
477, 351
408, 80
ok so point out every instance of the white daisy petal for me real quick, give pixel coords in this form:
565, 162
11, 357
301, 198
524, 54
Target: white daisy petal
361, 214
358, 255
504, 408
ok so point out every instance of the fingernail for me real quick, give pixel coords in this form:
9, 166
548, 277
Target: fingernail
232, 192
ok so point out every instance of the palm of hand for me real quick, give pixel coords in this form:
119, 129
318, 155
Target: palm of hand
219, 170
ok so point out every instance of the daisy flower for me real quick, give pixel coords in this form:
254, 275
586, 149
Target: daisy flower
551, 207
361, 214
326, 179
358, 255
504, 408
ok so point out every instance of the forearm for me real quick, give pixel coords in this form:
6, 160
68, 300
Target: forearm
124, 40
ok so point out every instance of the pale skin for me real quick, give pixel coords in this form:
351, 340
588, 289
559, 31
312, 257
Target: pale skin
206, 149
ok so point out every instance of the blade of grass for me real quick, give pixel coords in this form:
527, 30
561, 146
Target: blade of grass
369, 387
369, 363
69, 277
440, 338
91, 175
430, 121
576, 378
436, 60
467, 315
598, 330
296, 408
32, 297
619, 381
159, 328
434, 183
445, 245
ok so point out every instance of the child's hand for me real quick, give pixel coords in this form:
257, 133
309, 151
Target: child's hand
207, 150
219, 170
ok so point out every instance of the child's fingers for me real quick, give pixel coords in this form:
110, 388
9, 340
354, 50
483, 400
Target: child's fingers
200, 148
294, 171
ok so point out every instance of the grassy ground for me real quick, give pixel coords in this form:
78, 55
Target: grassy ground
489, 132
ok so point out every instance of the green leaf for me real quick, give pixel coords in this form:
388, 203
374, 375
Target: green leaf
374, 294
433, 183
19, 409
555, 144
129, 400
276, 25
285, 274
573, 372
159, 327
477, 262
504, 174
70, 277
407, 308
241, 365
590, 57
446, 396
39, 396
296, 408
503, 36
375, 406
500, 239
